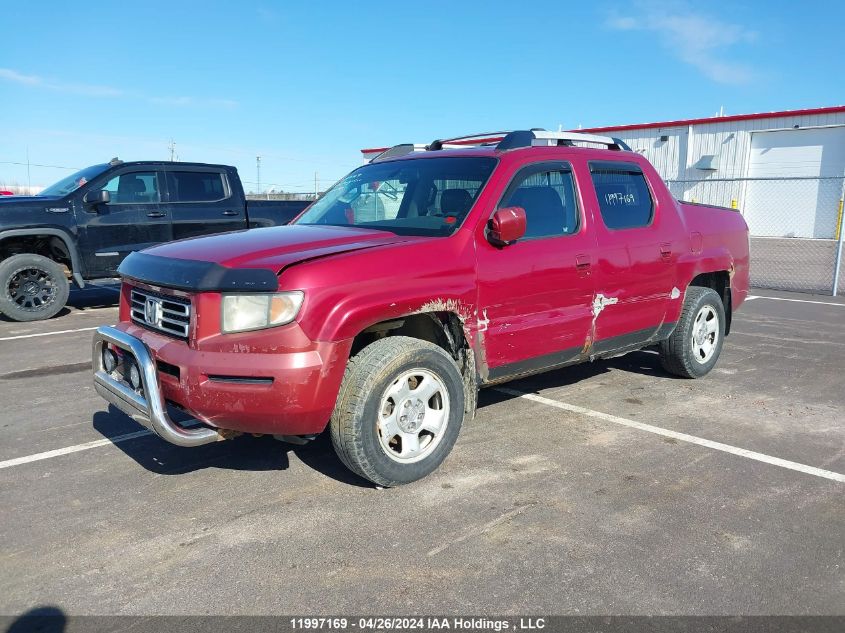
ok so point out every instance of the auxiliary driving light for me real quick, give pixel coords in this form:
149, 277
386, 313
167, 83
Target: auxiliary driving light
109, 360
134, 376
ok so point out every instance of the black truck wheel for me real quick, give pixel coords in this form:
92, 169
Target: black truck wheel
695, 345
32, 287
399, 410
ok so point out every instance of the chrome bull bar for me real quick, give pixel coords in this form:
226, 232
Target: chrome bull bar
147, 407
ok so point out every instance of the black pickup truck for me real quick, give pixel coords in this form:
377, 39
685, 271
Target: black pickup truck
83, 226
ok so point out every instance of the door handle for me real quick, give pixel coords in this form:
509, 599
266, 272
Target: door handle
230, 212
666, 250
155, 214
582, 264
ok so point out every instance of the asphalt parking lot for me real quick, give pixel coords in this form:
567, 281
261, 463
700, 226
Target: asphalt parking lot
609, 488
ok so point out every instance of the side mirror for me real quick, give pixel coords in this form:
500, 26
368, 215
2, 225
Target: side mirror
96, 197
506, 226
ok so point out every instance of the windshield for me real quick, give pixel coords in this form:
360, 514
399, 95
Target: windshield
74, 181
407, 197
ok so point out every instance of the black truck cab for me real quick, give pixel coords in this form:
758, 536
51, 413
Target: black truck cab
83, 226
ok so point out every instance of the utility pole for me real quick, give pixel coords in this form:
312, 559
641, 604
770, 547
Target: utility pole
316, 188
172, 148
258, 174
28, 179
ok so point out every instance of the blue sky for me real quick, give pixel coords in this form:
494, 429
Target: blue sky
308, 84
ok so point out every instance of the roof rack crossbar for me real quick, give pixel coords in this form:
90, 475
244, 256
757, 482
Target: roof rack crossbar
529, 138
484, 138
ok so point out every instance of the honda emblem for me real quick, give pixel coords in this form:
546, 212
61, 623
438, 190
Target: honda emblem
152, 311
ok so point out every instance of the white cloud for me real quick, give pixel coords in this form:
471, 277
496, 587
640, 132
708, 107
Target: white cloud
91, 90
13, 75
76, 88
701, 41
622, 23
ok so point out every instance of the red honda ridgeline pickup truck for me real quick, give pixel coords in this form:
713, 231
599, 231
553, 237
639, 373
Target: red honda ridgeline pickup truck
420, 277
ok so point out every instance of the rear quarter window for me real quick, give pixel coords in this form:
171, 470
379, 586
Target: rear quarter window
624, 197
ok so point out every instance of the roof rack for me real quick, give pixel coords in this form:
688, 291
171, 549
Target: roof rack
399, 150
470, 140
535, 137
544, 138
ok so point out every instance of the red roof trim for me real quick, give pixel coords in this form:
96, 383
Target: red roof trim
679, 123
717, 119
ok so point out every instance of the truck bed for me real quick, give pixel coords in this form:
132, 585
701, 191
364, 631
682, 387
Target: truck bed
273, 212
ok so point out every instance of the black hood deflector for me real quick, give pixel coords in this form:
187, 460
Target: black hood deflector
196, 276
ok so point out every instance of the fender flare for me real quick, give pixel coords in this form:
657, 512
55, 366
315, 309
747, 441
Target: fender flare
64, 236
707, 261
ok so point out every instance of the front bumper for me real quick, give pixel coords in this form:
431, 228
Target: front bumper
274, 382
146, 406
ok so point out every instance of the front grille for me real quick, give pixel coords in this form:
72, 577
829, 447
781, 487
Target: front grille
163, 313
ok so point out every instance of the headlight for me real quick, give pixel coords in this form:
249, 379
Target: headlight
257, 311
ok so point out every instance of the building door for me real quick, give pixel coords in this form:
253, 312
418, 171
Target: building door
795, 182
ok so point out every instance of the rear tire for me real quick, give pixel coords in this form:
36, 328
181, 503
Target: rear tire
695, 345
32, 287
399, 410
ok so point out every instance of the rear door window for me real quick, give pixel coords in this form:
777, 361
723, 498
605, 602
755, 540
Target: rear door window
624, 197
196, 186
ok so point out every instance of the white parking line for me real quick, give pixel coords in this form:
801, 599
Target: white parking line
821, 303
20, 336
683, 437
572, 408
72, 449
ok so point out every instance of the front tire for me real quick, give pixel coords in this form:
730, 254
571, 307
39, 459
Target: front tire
695, 345
32, 287
399, 410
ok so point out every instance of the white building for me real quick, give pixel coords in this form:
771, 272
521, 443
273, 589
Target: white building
783, 170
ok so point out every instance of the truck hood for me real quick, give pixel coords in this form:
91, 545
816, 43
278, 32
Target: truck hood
277, 247
30, 202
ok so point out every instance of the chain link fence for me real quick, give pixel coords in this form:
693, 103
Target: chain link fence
795, 226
